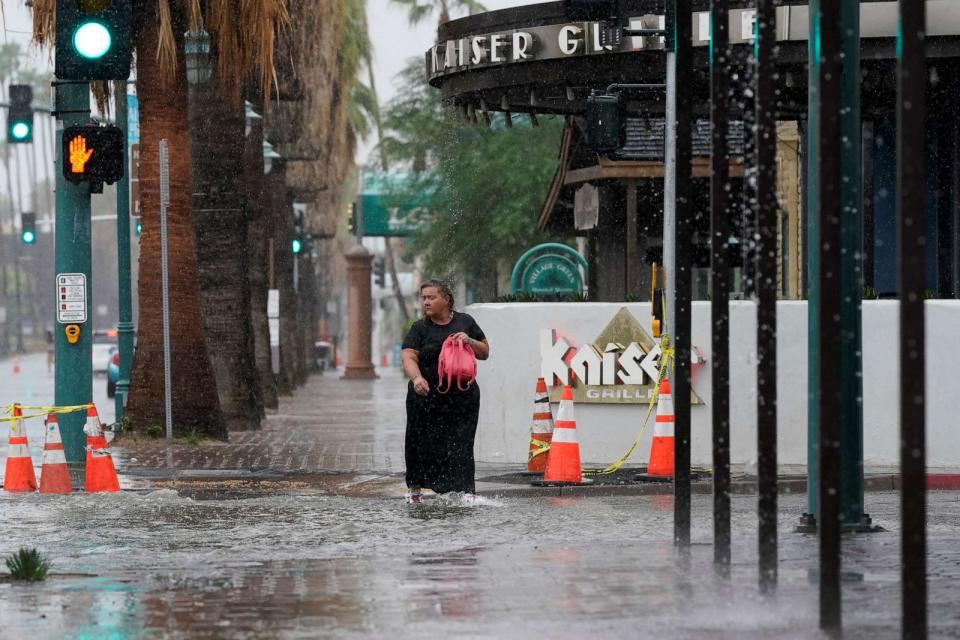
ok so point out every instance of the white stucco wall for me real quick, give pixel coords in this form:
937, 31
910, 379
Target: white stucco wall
605, 431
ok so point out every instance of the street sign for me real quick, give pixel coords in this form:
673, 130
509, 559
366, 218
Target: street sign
552, 275
71, 298
389, 206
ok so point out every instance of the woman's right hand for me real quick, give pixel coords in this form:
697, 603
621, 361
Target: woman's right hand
421, 386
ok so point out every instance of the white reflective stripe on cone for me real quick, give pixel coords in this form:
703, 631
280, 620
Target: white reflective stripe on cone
54, 456
563, 434
542, 426
18, 451
663, 429
565, 412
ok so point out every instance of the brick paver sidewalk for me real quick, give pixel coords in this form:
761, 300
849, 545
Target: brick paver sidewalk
329, 425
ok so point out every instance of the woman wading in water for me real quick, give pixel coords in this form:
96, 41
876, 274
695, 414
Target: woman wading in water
440, 426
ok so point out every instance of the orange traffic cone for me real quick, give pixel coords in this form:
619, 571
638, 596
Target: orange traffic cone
19, 475
563, 463
541, 433
101, 476
661, 451
54, 476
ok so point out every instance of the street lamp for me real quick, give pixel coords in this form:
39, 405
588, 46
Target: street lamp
196, 50
269, 155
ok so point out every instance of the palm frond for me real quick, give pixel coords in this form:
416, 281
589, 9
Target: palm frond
44, 22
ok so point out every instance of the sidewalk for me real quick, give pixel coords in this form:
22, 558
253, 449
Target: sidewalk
345, 437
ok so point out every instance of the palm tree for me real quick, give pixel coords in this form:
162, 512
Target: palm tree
418, 11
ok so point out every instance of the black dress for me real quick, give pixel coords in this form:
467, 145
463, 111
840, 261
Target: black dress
440, 426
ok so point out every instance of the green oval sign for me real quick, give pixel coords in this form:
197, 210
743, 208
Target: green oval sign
551, 274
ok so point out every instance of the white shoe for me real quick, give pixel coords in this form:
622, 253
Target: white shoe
414, 497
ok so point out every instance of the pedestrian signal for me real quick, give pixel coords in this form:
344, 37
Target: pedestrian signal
20, 114
28, 228
93, 154
94, 39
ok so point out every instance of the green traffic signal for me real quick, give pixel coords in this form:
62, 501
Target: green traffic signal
296, 245
20, 114
97, 37
92, 40
28, 228
139, 227
20, 130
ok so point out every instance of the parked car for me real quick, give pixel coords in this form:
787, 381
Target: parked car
113, 372
103, 342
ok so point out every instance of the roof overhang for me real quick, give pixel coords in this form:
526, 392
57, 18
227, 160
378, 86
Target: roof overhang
532, 59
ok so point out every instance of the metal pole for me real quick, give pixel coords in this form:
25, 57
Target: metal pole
74, 366
683, 46
165, 283
808, 521
766, 287
124, 288
670, 193
830, 186
720, 281
851, 278
911, 248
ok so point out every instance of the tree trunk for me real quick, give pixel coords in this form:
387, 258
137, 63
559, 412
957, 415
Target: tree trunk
258, 239
163, 115
217, 132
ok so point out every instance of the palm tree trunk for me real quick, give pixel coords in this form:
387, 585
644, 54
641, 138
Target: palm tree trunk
219, 220
258, 239
163, 114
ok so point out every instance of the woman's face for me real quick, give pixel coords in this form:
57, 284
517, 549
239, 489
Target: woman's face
434, 303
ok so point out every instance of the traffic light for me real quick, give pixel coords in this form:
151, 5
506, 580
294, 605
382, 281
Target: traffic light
379, 275
352, 221
28, 228
296, 245
20, 114
138, 227
93, 154
94, 39
605, 127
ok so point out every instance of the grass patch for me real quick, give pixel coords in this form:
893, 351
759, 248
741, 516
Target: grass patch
194, 437
28, 565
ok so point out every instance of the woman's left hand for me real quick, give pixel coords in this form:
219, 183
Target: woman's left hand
461, 336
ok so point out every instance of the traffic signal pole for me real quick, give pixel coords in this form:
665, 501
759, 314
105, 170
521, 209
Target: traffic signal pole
74, 367
125, 323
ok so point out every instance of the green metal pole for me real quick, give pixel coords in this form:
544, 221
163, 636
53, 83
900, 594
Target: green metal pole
808, 521
851, 277
125, 324
74, 367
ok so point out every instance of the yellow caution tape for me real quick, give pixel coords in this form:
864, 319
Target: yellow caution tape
43, 411
666, 364
540, 448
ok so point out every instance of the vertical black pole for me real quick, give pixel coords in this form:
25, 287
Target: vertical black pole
869, 232
766, 286
829, 183
720, 281
683, 46
911, 201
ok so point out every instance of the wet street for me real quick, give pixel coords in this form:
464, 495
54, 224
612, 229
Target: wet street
322, 545
146, 564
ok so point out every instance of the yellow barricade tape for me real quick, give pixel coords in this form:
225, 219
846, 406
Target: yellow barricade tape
666, 364
540, 448
43, 411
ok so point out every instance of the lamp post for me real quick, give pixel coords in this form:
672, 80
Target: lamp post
196, 54
269, 155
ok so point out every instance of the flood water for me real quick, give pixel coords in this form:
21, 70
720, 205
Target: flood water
156, 564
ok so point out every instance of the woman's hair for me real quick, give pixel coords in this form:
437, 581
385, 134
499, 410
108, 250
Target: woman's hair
440, 286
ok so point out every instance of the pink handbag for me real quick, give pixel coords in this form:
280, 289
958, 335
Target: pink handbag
457, 362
